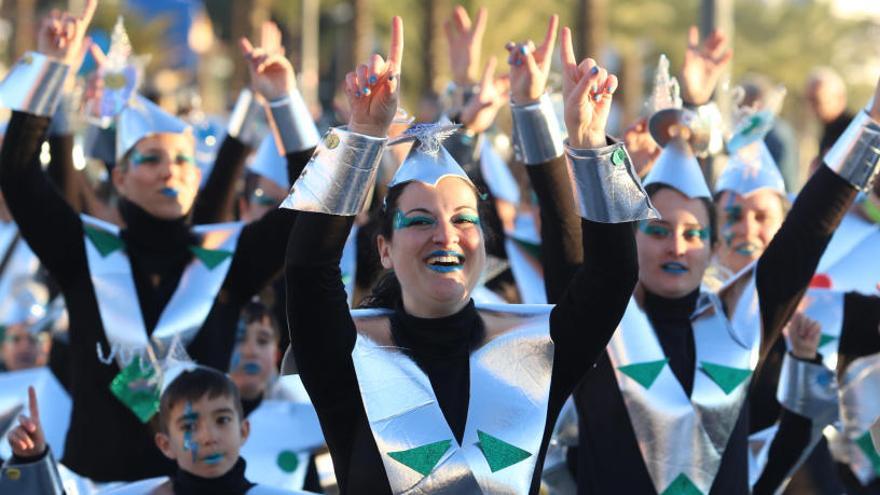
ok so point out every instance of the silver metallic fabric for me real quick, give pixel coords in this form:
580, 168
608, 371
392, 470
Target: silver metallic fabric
751, 168
808, 389
677, 167
859, 411
185, 312
825, 306
875, 435
142, 118
537, 136
608, 190
245, 119
528, 273
55, 406
702, 126
855, 154
292, 124
680, 435
857, 268
23, 265
339, 176
33, 478
509, 393
34, 85
428, 160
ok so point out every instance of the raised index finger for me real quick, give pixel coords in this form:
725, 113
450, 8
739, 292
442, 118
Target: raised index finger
550, 37
33, 406
395, 55
89, 12
568, 59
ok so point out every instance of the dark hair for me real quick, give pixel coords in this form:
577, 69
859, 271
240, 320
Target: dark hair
256, 311
386, 291
192, 385
654, 188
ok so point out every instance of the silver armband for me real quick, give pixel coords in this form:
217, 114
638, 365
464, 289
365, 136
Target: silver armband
808, 389
607, 187
292, 124
856, 152
875, 434
537, 137
34, 85
62, 119
340, 175
244, 121
40, 477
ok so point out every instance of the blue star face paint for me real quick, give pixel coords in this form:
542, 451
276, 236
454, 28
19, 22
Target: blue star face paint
214, 459
190, 418
235, 361
404, 222
445, 261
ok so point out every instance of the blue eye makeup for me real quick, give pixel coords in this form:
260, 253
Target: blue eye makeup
185, 159
138, 158
702, 234
403, 222
653, 229
466, 218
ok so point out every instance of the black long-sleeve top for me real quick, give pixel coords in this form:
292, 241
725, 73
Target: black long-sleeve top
323, 336
216, 201
608, 456
105, 440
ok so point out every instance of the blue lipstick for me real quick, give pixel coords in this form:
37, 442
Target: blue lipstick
169, 191
252, 368
674, 268
446, 267
213, 459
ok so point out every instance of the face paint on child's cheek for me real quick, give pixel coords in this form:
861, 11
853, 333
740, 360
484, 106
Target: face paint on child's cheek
190, 418
235, 361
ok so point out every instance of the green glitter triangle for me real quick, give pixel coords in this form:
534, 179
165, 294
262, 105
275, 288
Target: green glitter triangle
534, 250
422, 459
867, 447
210, 257
105, 242
644, 373
138, 389
825, 338
498, 453
724, 376
288, 461
682, 485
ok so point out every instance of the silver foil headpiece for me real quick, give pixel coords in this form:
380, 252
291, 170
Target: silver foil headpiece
677, 167
666, 92
142, 118
428, 161
269, 163
120, 76
750, 169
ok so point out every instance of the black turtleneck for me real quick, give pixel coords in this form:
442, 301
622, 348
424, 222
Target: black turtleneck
608, 458
323, 336
231, 483
106, 441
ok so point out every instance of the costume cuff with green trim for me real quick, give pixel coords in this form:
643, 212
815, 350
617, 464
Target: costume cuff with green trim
340, 175
607, 187
537, 137
292, 124
244, 121
856, 152
875, 434
39, 476
808, 389
34, 85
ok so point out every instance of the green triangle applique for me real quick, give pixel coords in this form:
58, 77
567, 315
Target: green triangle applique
137, 387
644, 373
682, 485
724, 376
105, 242
422, 459
498, 453
210, 257
825, 338
867, 447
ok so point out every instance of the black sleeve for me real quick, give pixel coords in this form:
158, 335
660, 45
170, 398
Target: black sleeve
49, 225
860, 335
787, 448
62, 172
561, 246
259, 256
786, 267
322, 332
216, 201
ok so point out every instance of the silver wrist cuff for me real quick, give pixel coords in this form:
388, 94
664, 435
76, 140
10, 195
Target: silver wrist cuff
34, 477
875, 434
292, 124
855, 154
340, 175
244, 121
537, 137
61, 120
808, 389
608, 189
34, 85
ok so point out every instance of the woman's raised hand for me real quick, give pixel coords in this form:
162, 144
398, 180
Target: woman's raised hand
587, 90
530, 66
465, 40
703, 65
272, 75
27, 439
480, 111
373, 88
62, 34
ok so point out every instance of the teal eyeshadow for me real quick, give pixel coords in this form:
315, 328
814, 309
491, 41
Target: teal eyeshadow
468, 217
402, 222
651, 229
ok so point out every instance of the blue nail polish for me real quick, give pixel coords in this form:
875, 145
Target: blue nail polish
518, 62
597, 97
366, 91
357, 93
523, 50
595, 70
373, 79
